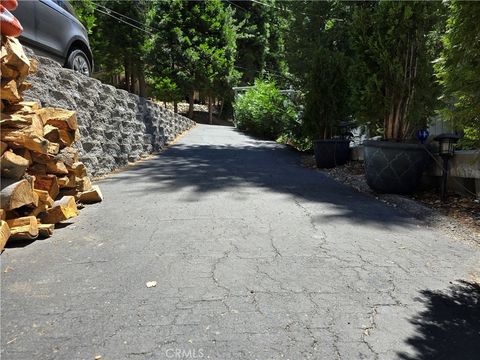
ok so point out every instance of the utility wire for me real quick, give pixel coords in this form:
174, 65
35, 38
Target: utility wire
109, 12
125, 22
119, 14
237, 6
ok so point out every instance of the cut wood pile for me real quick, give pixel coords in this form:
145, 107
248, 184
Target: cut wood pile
42, 180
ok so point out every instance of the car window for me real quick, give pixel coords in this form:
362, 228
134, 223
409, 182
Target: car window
66, 6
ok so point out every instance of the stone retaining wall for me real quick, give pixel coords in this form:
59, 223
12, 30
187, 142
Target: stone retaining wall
116, 127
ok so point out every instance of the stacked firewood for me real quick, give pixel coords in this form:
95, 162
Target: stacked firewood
42, 180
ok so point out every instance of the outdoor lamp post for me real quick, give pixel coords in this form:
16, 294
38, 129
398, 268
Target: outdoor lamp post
446, 150
344, 127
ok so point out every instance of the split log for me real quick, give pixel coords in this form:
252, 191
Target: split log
56, 167
33, 66
44, 197
8, 72
3, 147
24, 86
16, 194
45, 202
68, 181
91, 196
25, 137
47, 183
23, 228
51, 133
68, 156
37, 169
53, 148
23, 107
13, 166
79, 169
39, 158
45, 230
60, 118
4, 234
13, 57
9, 92
69, 192
60, 136
83, 184
25, 153
62, 210
18, 121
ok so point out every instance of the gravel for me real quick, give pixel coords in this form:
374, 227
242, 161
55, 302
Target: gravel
458, 217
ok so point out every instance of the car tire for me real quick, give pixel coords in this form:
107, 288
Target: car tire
78, 61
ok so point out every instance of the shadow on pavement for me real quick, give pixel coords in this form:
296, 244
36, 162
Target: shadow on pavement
449, 327
205, 169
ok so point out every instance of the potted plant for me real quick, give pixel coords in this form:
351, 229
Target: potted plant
326, 105
393, 89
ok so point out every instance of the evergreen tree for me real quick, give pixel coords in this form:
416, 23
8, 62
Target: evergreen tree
392, 75
117, 37
194, 46
261, 40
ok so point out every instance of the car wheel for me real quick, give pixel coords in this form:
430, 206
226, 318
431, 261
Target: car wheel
78, 61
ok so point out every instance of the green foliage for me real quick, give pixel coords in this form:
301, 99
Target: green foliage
315, 25
318, 48
117, 47
194, 45
264, 111
261, 40
458, 69
393, 86
327, 94
166, 90
85, 11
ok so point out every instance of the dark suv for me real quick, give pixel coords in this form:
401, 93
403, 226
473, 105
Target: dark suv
51, 29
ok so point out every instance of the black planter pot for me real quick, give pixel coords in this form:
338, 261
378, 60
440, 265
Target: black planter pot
394, 167
330, 153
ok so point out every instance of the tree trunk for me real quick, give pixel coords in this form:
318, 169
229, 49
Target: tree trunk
191, 104
126, 65
221, 108
132, 77
142, 86
210, 112
175, 107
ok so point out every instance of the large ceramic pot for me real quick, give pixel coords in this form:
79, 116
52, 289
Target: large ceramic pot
330, 153
392, 167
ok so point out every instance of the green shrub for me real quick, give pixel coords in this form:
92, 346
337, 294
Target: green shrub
263, 111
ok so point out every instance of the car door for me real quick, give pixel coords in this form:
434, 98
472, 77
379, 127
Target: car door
25, 13
52, 26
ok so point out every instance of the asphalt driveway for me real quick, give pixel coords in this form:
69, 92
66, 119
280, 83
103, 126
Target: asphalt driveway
255, 257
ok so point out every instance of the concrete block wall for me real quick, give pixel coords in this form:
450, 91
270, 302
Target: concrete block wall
116, 127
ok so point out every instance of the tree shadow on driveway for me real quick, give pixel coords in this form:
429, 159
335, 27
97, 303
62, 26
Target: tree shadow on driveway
253, 164
449, 327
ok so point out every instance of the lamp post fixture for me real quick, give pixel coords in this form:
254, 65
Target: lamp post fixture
344, 129
446, 150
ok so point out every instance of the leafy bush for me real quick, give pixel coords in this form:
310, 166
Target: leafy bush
457, 70
264, 111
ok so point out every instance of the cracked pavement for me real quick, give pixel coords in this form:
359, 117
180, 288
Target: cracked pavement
255, 257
